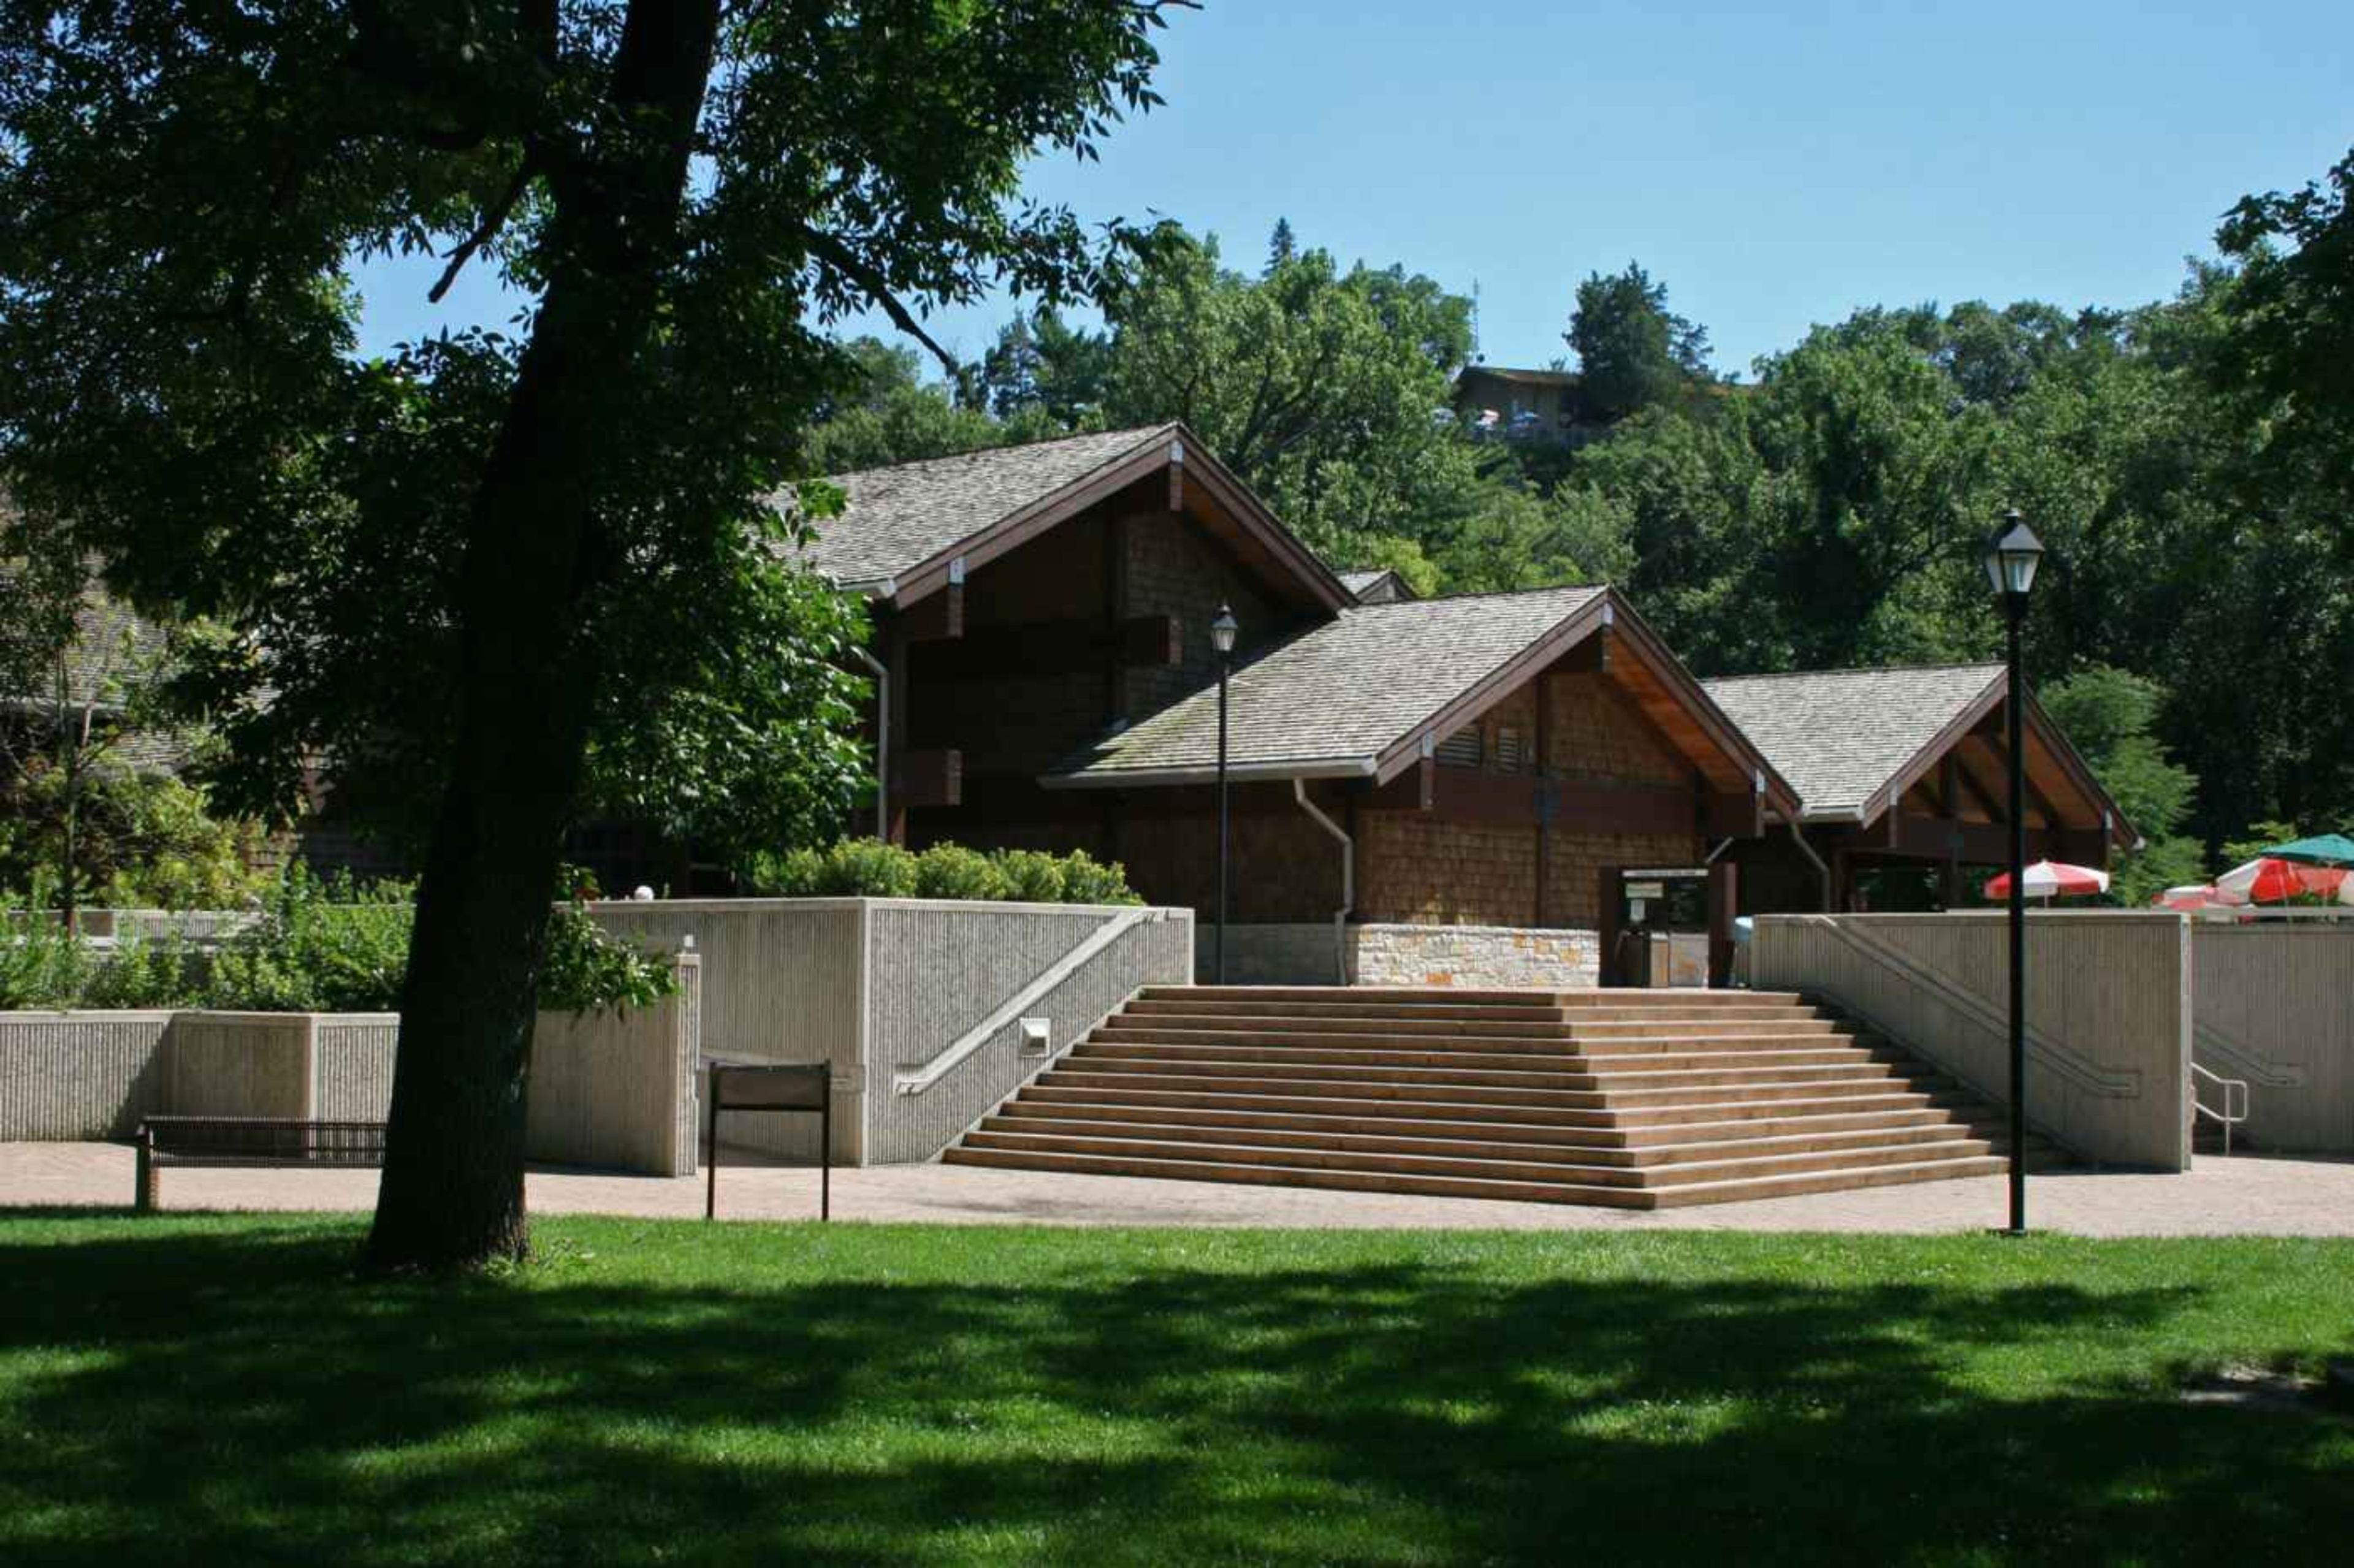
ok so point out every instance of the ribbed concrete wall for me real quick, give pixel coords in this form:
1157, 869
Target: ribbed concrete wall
73, 1075
782, 982
2108, 1012
2276, 1009
871, 986
355, 1065
617, 1089
240, 1064
940, 969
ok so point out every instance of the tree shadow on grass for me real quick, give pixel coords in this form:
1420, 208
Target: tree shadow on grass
210, 1394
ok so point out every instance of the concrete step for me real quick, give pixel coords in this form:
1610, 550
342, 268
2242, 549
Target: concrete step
1461, 1140
1463, 1035
1541, 1009
1456, 996
1485, 1164
1319, 1100
1742, 1190
1628, 1091
1480, 1122
1595, 1194
1803, 1052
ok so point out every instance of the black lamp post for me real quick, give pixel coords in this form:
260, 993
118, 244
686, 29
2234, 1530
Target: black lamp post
1222, 639
2010, 562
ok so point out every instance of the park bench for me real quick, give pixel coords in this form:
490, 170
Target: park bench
250, 1142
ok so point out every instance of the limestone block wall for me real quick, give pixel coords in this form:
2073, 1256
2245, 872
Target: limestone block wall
1476, 957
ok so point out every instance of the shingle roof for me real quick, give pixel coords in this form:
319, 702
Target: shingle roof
897, 518
1358, 582
1337, 696
1840, 737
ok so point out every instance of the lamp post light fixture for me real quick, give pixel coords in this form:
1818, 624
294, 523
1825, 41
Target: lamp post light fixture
2012, 555
1222, 640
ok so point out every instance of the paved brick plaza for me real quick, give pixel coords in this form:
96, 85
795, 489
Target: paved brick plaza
2242, 1196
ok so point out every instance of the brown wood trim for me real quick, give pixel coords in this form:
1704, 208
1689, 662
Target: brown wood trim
1018, 528
929, 779
1713, 719
1055, 648
1203, 469
1498, 685
936, 619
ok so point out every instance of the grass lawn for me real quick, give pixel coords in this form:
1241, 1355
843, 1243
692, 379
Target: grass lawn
221, 1389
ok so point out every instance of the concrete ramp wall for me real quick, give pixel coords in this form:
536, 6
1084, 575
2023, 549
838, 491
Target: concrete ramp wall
2108, 1012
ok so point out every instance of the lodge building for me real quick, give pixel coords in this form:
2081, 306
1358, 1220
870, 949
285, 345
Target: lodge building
1446, 789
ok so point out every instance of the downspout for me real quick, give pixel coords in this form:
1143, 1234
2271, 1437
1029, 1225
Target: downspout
882, 740
1821, 870
1348, 878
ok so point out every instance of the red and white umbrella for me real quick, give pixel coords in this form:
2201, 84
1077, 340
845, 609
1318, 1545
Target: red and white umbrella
2191, 898
2052, 879
2266, 880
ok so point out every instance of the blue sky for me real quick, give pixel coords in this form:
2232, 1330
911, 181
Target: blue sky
1775, 166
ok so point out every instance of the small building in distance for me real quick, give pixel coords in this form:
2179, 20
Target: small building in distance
1500, 403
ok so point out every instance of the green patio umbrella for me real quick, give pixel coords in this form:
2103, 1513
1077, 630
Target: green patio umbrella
2322, 849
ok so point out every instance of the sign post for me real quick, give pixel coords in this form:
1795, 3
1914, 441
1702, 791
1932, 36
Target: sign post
807, 1088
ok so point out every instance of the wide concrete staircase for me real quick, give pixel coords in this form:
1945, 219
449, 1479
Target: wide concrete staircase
1634, 1100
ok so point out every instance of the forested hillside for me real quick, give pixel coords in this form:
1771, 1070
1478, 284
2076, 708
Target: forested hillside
2190, 462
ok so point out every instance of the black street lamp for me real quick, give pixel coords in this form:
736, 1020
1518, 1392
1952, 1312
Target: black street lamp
2011, 561
1222, 639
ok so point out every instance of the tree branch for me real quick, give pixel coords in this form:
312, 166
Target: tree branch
834, 253
494, 219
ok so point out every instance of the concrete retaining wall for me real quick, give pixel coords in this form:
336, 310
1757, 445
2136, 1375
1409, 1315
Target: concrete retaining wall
612, 1090
2276, 1009
878, 987
2108, 1012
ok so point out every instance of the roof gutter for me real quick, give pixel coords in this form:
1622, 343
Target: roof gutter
1164, 778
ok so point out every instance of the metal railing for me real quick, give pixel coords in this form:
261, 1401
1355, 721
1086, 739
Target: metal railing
2235, 1093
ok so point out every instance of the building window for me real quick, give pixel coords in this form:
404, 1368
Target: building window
1461, 749
1510, 757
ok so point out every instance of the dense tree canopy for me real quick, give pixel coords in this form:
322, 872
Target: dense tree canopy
486, 565
1633, 352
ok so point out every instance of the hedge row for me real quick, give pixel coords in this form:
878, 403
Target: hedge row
871, 868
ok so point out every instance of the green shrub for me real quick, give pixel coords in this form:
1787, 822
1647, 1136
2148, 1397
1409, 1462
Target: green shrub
1087, 880
323, 944
1030, 877
40, 964
873, 869
589, 970
952, 870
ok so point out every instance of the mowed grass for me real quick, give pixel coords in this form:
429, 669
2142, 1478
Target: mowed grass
224, 1390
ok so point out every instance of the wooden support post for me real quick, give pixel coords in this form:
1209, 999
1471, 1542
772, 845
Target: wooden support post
1545, 805
1723, 904
1607, 929
895, 660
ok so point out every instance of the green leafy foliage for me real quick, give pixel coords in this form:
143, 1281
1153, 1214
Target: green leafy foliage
141, 840
318, 945
870, 868
952, 870
2111, 716
1632, 352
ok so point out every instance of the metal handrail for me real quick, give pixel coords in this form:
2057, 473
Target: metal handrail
2226, 1115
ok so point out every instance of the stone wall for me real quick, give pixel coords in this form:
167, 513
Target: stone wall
1475, 956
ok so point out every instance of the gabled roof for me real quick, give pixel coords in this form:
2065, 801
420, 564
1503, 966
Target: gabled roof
1842, 736
1853, 741
1358, 696
904, 529
1379, 584
1340, 698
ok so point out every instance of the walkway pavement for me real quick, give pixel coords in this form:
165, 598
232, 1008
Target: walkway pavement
2246, 1194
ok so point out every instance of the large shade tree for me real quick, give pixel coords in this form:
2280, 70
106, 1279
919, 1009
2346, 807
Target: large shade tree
567, 521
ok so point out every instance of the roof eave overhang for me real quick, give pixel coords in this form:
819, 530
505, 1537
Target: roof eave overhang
1174, 446
1244, 772
1728, 736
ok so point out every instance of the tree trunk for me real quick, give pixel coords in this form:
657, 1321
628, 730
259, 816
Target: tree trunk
452, 1194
